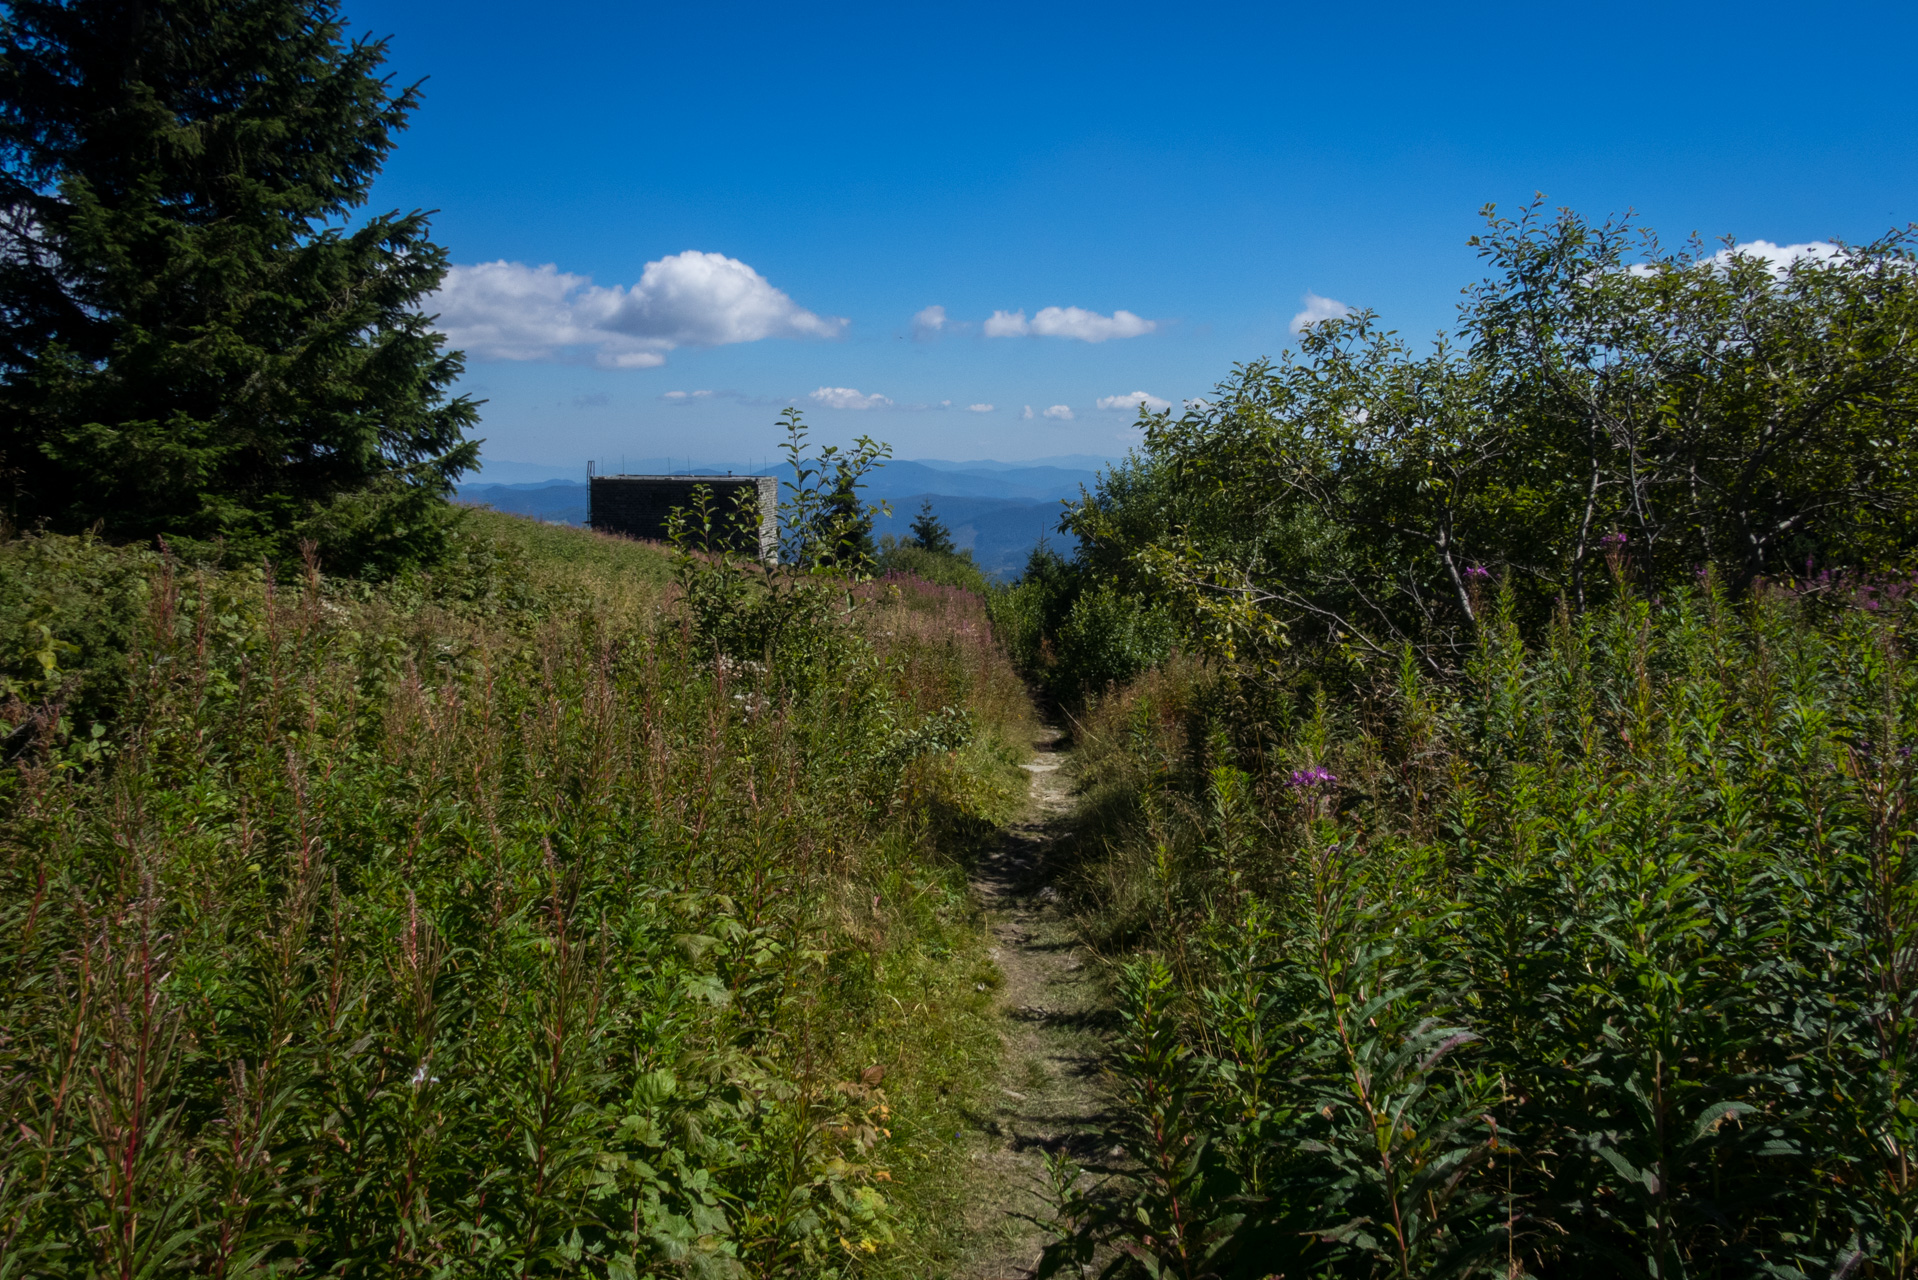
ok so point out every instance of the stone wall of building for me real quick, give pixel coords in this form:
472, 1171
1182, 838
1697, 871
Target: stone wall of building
638, 506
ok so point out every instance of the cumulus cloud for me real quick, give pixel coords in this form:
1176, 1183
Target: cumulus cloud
1061, 412
510, 311
849, 398
1779, 257
1007, 324
978, 408
1067, 322
928, 322
1133, 399
1089, 326
1317, 309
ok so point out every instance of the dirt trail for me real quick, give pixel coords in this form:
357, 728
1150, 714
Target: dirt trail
1050, 1091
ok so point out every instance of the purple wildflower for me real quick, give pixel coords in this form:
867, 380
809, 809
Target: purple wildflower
1613, 542
1478, 571
1302, 778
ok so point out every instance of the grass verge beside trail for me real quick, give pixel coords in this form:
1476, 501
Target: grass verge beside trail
489, 922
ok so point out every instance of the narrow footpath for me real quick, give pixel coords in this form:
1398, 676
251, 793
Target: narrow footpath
1050, 1095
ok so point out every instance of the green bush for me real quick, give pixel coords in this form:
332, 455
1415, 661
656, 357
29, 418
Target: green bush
1074, 633
1595, 964
1601, 398
944, 568
69, 608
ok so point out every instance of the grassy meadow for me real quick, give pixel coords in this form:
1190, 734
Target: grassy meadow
494, 921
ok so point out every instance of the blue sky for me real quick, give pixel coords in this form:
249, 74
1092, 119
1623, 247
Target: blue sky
805, 180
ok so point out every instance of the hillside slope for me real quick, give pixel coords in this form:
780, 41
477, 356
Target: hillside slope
492, 922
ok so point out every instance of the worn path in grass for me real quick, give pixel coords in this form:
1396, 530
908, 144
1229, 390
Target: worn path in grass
1050, 1095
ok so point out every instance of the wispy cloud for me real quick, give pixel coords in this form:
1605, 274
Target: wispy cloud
512, 311
1027, 414
1132, 400
849, 398
1067, 322
1317, 309
978, 408
1060, 412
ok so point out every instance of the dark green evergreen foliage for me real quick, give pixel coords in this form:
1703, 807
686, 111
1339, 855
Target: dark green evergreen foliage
1603, 398
195, 341
1597, 963
929, 555
929, 532
853, 543
823, 524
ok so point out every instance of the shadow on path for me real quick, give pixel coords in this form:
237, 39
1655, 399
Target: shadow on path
1050, 1095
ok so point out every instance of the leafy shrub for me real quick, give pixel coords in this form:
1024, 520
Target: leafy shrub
69, 608
1594, 964
1600, 396
1075, 633
947, 568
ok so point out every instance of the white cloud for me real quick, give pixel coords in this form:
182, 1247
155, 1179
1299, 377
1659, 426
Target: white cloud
1133, 399
979, 408
1089, 326
1068, 322
849, 398
1317, 309
1061, 412
510, 311
1007, 324
1028, 413
683, 397
928, 323
1779, 257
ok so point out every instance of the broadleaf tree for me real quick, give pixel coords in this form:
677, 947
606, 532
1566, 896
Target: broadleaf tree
200, 340
1606, 406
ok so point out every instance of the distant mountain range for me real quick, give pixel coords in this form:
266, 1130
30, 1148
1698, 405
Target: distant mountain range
997, 510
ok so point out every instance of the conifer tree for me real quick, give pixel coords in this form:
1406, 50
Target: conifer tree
930, 532
851, 520
196, 341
